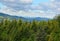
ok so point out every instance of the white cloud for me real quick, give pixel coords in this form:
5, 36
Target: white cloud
30, 13
24, 8
26, 1
52, 0
17, 4
58, 9
9, 0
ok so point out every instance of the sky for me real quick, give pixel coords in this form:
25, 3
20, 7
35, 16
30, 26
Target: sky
31, 8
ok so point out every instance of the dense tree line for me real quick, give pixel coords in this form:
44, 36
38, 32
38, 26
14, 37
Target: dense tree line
19, 30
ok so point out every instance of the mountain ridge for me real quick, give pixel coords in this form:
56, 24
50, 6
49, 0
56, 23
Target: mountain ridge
6, 16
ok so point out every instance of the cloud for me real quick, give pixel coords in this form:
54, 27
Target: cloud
17, 1
7, 10
30, 13
26, 1
9, 0
26, 9
17, 4
54, 6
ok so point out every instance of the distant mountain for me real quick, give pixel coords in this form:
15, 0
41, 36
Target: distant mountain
6, 16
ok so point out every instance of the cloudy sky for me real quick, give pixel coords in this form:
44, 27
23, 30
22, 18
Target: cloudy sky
31, 8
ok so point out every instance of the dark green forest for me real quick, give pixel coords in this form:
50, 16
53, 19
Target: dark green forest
19, 30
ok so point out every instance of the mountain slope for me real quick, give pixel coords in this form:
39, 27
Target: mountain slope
6, 16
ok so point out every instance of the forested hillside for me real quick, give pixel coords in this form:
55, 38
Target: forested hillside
19, 30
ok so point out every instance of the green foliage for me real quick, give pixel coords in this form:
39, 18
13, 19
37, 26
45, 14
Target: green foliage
19, 30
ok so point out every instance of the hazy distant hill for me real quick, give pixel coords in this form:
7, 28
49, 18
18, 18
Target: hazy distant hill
6, 16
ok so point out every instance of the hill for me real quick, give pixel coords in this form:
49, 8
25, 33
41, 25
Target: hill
10, 17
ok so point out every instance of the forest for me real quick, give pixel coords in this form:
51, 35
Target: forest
19, 30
